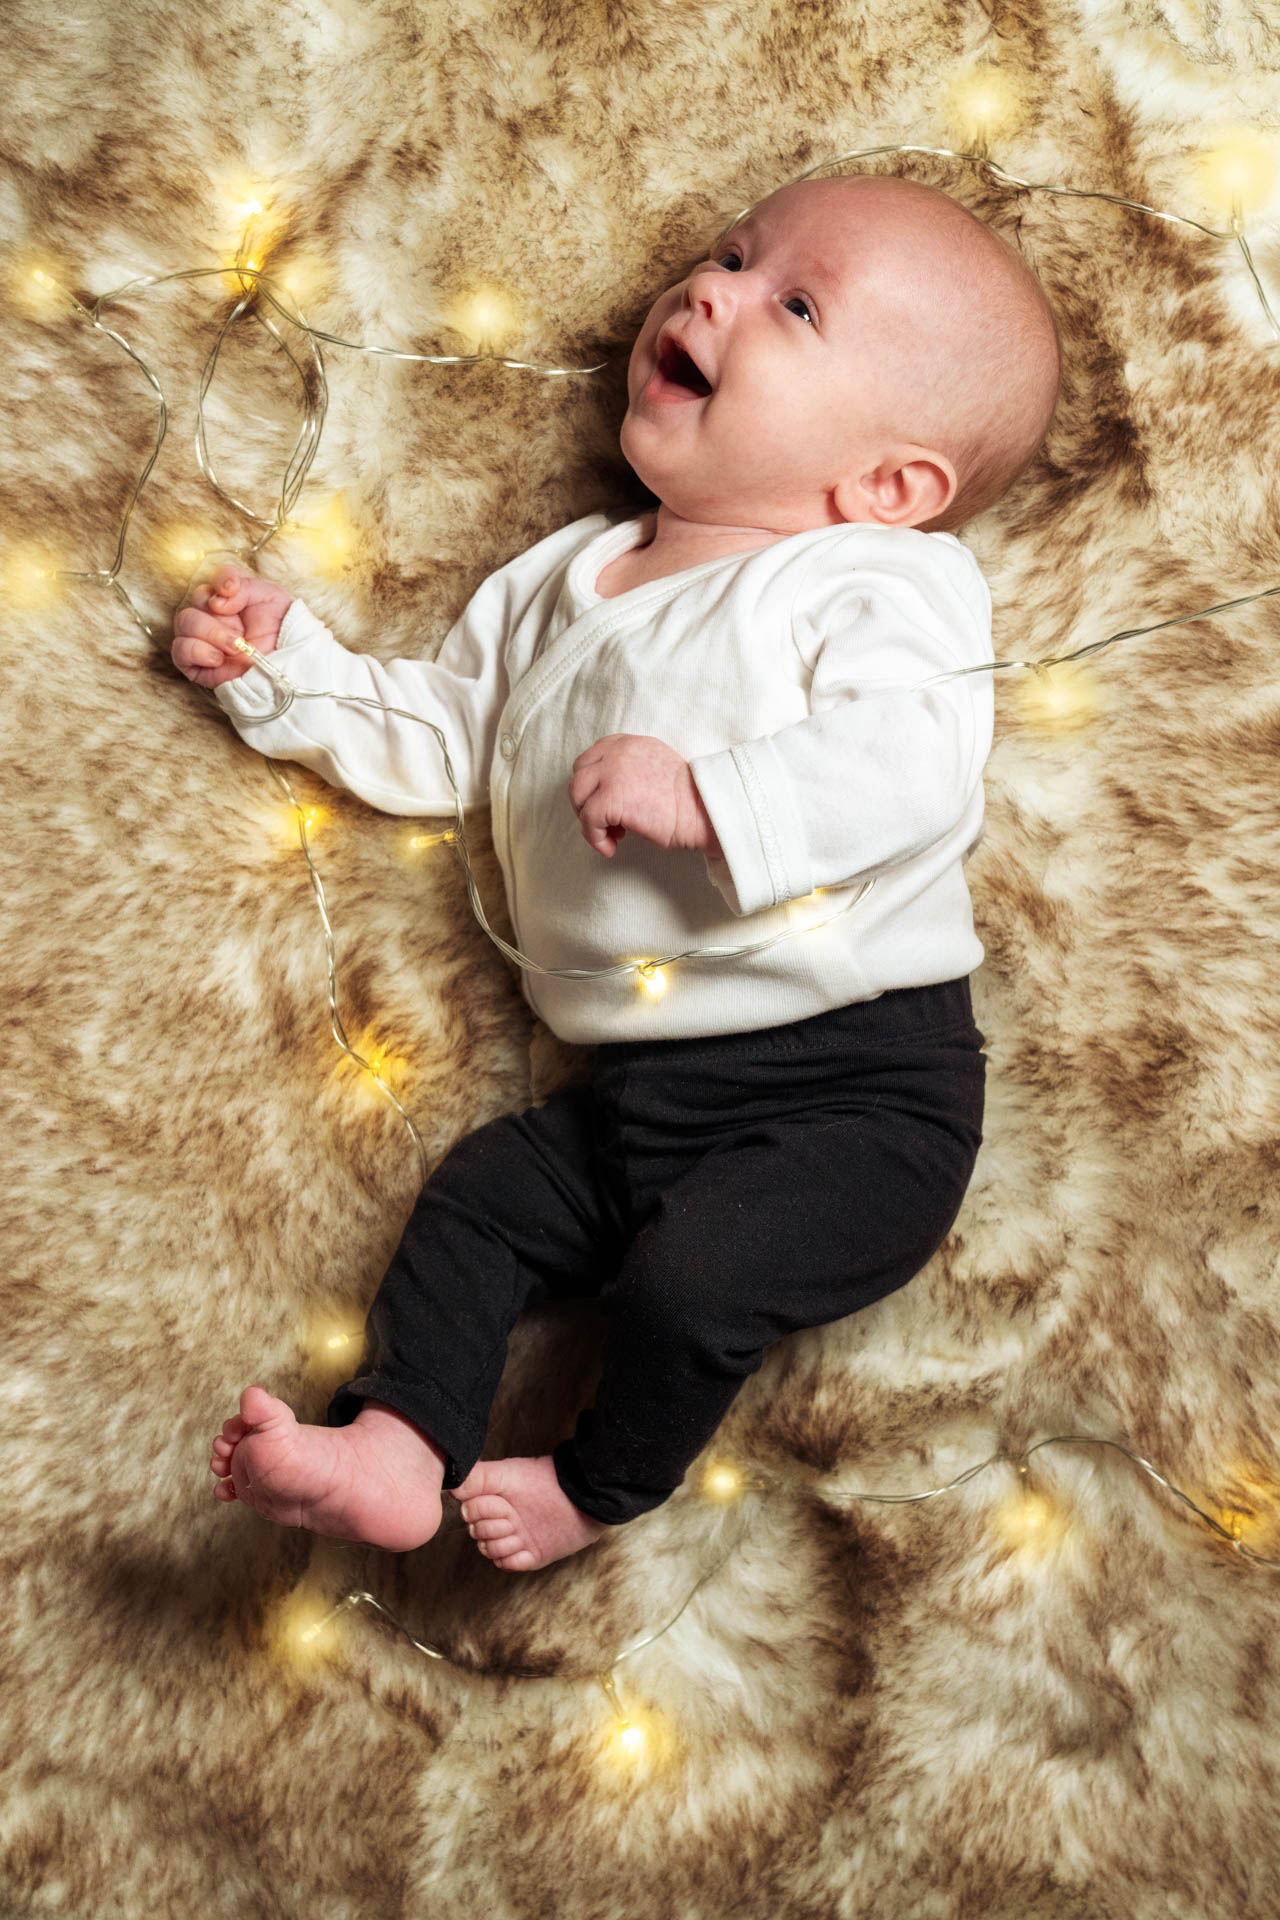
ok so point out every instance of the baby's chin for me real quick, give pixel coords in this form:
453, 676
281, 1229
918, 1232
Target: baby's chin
634, 455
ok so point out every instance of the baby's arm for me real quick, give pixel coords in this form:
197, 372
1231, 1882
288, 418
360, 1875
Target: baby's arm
389, 760
872, 777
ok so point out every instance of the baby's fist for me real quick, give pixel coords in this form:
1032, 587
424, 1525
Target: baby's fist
234, 605
632, 781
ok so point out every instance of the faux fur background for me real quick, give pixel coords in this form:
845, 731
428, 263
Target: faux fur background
866, 1709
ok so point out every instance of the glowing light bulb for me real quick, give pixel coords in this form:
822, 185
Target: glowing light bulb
632, 1736
38, 292
376, 1070
385, 1064
242, 195
722, 1482
984, 101
302, 1629
331, 1332
1031, 1523
808, 909
1254, 1513
1058, 699
27, 580
1238, 176
246, 225
651, 978
329, 535
181, 547
420, 840
1035, 1512
486, 315
636, 1744
305, 1635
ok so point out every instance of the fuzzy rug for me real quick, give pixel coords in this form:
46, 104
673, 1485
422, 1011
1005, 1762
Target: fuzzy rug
918, 1711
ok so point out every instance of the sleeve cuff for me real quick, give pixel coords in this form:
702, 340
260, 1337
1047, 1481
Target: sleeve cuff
765, 860
299, 624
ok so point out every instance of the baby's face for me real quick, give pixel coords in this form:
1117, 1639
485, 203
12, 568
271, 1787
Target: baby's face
801, 331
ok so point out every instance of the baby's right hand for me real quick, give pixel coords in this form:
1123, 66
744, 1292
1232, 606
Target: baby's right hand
235, 606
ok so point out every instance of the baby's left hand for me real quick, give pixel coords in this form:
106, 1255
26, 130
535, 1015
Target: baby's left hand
632, 780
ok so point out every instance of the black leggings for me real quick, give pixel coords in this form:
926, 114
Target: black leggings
713, 1194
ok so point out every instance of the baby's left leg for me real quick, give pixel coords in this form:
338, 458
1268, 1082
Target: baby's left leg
519, 1515
796, 1225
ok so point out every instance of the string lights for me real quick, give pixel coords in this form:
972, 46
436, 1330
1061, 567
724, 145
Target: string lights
983, 99
1032, 1526
1237, 175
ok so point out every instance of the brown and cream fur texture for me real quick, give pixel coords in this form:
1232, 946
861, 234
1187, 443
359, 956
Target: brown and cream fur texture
865, 1709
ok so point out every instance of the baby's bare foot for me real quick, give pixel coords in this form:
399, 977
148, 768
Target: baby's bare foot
520, 1517
376, 1481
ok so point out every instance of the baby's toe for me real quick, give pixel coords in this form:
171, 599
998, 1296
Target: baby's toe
234, 1429
515, 1562
487, 1506
498, 1549
490, 1529
224, 1490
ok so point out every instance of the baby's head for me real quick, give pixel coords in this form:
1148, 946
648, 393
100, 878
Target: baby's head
868, 350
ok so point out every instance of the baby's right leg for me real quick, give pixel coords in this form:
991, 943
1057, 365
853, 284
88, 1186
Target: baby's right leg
377, 1481
522, 1209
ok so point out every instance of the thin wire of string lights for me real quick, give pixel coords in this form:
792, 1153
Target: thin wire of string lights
1032, 1524
259, 287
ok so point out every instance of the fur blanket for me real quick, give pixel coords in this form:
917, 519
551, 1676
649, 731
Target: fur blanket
906, 1710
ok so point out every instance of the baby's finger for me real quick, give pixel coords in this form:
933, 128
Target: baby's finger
193, 625
599, 837
202, 653
581, 787
230, 589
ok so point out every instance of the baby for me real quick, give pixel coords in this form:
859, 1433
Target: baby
765, 1142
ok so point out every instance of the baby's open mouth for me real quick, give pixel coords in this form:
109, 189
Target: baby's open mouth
675, 365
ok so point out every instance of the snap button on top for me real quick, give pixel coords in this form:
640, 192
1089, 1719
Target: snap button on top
507, 746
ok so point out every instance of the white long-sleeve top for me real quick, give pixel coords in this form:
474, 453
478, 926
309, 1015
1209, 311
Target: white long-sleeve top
786, 676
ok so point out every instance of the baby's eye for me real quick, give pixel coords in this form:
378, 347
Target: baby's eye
726, 258
797, 301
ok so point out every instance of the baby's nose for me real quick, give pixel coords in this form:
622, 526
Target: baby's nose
707, 289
